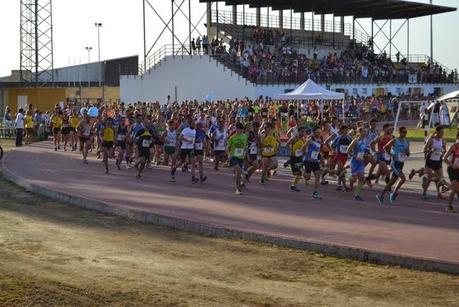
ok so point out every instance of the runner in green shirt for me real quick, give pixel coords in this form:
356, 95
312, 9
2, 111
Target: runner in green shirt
237, 151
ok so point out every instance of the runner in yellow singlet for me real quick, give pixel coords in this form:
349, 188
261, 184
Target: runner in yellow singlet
107, 135
269, 147
56, 125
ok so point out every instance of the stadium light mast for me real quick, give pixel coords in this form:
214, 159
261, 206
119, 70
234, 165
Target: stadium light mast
431, 36
36, 42
88, 49
98, 25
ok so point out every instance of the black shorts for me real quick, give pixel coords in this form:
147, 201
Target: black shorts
236, 162
72, 129
121, 144
311, 167
220, 155
434, 165
397, 168
144, 152
56, 130
199, 152
84, 139
296, 164
252, 157
453, 174
108, 145
65, 130
184, 153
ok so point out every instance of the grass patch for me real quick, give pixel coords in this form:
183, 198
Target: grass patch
418, 134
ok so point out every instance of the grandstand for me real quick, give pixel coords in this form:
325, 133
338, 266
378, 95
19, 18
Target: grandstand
252, 54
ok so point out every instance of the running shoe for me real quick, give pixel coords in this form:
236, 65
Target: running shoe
294, 189
392, 198
316, 195
203, 179
128, 166
425, 197
194, 180
340, 189
324, 182
55, 148
358, 198
380, 199
263, 181
238, 192
286, 164
173, 179
85, 161
450, 209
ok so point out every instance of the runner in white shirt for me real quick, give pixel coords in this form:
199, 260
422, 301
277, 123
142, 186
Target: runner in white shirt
187, 138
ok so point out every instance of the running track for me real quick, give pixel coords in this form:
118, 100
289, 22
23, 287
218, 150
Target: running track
412, 228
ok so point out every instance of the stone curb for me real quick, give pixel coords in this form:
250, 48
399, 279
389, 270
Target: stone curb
222, 232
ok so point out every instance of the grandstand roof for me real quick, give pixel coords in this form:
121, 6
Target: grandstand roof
376, 9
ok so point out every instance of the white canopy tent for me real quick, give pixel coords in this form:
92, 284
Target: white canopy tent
452, 95
310, 90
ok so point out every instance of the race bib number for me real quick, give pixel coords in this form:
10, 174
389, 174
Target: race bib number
360, 156
146, 143
343, 149
268, 150
120, 137
402, 157
86, 133
298, 153
435, 156
239, 152
199, 146
221, 143
386, 156
315, 155
253, 150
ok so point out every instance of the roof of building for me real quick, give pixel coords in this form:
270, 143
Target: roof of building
376, 9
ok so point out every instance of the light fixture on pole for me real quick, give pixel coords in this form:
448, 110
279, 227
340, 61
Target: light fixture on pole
88, 49
98, 25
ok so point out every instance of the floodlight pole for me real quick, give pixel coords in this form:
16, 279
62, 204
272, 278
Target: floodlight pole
243, 21
390, 39
189, 26
144, 41
408, 40
372, 36
431, 36
98, 26
173, 28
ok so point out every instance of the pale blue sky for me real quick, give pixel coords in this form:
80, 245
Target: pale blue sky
122, 31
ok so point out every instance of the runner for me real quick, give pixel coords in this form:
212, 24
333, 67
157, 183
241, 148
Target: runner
65, 130
56, 125
296, 144
236, 150
269, 147
169, 138
382, 156
434, 150
357, 150
452, 160
84, 132
219, 138
340, 147
73, 121
371, 158
144, 140
120, 147
253, 152
199, 145
312, 149
187, 155
399, 149
107, 136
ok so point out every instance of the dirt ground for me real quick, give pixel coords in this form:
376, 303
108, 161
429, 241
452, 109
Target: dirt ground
56, 254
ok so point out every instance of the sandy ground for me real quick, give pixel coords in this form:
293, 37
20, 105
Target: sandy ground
55, 254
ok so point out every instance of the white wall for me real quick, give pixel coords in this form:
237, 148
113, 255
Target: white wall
196, 77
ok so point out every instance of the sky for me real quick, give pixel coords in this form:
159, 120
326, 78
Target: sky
122, 32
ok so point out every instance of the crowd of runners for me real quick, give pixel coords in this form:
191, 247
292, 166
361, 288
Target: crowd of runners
187, 136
